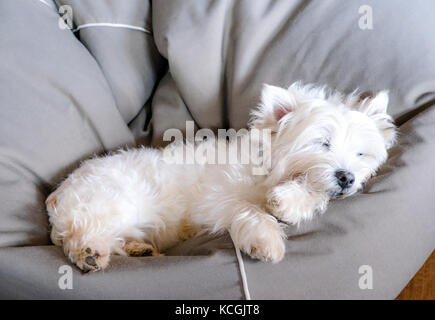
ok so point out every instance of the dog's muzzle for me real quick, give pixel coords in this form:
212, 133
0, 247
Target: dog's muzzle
344, 181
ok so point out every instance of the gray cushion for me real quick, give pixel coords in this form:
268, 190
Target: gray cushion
209, 272
125, 51
56, 109
221, 52
60, 109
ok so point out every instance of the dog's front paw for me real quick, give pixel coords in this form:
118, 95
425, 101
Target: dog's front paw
261, 237
269, 250
291, 203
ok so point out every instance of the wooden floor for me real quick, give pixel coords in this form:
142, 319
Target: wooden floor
422, 286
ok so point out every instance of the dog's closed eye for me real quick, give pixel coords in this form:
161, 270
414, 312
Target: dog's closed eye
365, 155
326, 144
323, 141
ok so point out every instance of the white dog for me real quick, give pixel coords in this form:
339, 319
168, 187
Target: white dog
323, 145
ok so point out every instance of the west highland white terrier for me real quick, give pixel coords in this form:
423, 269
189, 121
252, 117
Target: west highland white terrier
322, 145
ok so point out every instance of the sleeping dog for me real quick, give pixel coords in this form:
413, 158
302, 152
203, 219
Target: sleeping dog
322, 145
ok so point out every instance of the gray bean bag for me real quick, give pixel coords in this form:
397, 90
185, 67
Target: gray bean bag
129, 70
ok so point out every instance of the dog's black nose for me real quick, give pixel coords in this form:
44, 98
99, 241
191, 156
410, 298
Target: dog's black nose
345, 179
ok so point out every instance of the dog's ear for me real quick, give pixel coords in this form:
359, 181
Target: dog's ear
376, 108
277, 100
377, 105
275, 103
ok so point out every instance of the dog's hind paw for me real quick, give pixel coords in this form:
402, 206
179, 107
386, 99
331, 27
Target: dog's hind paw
91, 260
140, 249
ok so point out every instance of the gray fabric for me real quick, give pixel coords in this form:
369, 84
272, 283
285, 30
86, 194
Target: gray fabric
130, 62
128, 58
56, 109
131, 12
211, 272
62, 100
221, 52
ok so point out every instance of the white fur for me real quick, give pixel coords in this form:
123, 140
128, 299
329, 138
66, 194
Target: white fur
136, 195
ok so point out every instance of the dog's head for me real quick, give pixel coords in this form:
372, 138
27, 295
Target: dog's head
329, 142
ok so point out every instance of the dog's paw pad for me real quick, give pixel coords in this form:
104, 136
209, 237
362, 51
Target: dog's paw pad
91, 260
140, 249
147, 253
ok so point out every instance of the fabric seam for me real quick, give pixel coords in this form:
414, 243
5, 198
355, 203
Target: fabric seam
112, 25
